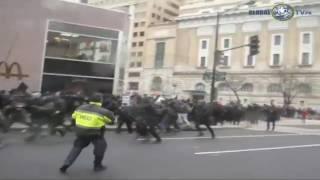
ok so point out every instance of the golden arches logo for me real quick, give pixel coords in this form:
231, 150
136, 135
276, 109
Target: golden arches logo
8, 70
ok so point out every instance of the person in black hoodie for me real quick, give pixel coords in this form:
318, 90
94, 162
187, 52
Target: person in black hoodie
272, 116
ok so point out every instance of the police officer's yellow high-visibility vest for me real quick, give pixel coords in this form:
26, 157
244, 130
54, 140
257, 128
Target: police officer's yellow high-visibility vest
89, 116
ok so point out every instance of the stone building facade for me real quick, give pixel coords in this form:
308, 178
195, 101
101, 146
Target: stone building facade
179, 53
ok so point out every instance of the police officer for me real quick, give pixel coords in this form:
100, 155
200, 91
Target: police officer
90, 120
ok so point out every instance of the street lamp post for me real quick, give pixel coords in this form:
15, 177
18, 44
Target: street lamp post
216, 51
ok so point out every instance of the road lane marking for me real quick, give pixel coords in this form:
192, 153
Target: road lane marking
229, 137
258, 149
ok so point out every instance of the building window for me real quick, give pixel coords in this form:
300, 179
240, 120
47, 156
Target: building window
156, 84
139, 64
142, 23
250, 60
80, 46
200, 87
132, 64
203, 61
226, 43
159, 8
136, 24
276, 49
135, 34
133, 86
158, 17
140, 54
204, 44
274, 88
247, 87
133, 54
203, 52
134, 44
134, 74
140, 43
306, 48
142, 33
306, 38
276, 60
224, 61
277, 40
305, 58
159, 57
153, 15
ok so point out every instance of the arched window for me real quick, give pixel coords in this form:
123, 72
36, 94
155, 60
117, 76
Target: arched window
274, 88
156, 84
223, 87
305, 88
247, 87
200, 87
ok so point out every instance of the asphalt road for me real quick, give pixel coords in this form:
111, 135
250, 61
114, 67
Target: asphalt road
235, 154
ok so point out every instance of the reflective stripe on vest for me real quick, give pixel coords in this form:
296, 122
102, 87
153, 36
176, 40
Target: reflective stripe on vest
90, 119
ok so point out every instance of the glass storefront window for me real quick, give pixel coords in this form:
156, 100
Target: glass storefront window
80, 47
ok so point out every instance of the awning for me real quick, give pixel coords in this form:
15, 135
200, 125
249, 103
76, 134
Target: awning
196, 92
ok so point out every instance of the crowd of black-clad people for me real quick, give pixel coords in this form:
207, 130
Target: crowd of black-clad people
146, 115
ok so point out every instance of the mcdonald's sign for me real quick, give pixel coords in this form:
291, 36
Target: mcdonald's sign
8, 72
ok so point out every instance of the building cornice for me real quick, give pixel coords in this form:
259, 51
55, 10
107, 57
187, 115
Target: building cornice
263, 73
194, 16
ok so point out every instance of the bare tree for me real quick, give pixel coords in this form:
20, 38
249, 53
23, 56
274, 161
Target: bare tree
235, 83
291, 86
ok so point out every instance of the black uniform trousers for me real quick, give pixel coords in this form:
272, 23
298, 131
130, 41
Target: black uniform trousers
273, 124
127, 121
205, 121
82, 141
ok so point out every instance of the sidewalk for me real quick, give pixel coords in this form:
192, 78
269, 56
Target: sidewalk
296, 126
288, 121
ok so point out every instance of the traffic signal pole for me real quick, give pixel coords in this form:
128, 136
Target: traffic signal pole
213, 93
216, 52
237, 47
254, 49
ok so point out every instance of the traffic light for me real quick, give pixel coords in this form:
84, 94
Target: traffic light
254, 45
